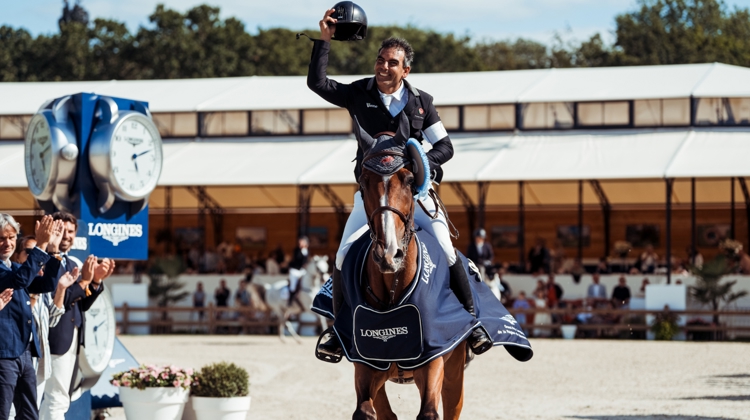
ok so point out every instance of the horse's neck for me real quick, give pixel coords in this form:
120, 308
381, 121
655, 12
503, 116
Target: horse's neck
381, 284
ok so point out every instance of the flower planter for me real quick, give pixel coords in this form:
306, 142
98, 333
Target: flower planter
207, 408
154, 403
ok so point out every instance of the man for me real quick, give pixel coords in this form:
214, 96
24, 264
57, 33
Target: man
596, 290
66, 338
221, 297
378, 105
19, 338
481, 252
297, 269
539, 258
621, 294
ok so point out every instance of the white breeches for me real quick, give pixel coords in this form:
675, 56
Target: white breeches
356, 226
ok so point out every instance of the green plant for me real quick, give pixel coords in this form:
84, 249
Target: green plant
221, 380
163, 283
709, 290
665, 326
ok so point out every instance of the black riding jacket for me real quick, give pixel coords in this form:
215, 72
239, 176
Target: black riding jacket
362, 100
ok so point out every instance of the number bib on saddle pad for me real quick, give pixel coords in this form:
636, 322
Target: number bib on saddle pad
388, 336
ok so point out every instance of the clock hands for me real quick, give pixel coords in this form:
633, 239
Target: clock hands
41, 156
136, 156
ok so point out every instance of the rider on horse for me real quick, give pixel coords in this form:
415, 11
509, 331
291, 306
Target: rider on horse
377, 103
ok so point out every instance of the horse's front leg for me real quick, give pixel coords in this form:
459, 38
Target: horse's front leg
429, 380
453, 383
367, 383
383, 406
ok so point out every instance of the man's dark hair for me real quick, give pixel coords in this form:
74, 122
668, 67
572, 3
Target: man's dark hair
65, 217
400, 44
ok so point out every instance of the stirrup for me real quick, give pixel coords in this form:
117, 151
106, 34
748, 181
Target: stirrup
325, 357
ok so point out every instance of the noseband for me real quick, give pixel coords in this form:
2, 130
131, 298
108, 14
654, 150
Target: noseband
407, 219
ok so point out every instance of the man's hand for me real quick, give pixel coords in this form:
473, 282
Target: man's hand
67, 280
104, 270
43, 231
5, 297
58, 229
327, 26
87, 273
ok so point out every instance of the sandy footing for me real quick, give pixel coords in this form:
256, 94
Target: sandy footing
577, 379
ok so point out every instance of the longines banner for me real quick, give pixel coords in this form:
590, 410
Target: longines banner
122, 239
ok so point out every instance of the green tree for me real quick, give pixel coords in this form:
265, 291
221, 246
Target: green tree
709, 290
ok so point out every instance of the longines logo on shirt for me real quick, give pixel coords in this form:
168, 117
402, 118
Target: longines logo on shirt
384, 334
115, 232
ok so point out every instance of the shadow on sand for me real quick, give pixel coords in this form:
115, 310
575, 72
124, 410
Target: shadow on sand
721, 398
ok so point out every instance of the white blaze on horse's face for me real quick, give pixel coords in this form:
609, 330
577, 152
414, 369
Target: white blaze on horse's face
389, 226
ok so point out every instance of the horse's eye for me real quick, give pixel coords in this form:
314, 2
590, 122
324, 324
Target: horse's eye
409, 180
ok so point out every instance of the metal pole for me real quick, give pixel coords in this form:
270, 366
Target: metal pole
669, 230
732, 235
693, 233
521, 227
168, 217
580, 220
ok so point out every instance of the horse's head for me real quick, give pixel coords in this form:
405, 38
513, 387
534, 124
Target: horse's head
387, 186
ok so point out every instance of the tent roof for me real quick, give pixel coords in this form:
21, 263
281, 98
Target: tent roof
291, 92
523, 156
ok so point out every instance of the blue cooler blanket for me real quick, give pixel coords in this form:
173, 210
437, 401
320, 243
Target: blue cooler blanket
427, 322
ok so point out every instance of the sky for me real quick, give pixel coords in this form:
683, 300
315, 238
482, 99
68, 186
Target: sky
481, 19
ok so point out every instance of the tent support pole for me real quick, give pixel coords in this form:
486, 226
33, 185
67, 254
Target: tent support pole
606, 210
731, 206
482, 189
168, 217
580, 220
338, 205
669, 183
304, 196
469, 206
693, 232
521, 227
746, 195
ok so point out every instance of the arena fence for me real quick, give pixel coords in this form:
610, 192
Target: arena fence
606, 323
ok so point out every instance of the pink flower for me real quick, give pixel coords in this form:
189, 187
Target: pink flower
115, 383
189, 372
186, 383
126, 383
164, 375
176, 384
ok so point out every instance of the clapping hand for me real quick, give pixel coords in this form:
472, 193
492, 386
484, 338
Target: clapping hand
5, 297
46, 232
104, 270
67, 279
87, 273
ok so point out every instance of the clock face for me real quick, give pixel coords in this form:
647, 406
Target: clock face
100, 333
38, 154
135, 156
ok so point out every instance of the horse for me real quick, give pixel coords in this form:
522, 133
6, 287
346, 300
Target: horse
277, 294
390, 269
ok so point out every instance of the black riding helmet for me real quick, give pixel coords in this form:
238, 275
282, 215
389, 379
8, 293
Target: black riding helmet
351, 21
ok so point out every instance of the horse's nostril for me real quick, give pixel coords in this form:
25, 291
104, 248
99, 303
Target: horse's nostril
399, 255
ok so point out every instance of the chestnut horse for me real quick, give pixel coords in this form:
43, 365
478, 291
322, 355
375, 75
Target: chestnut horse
390, 268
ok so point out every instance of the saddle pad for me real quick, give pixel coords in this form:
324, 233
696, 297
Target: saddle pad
389, 336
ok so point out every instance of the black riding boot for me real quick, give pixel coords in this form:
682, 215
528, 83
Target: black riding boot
332, 346
478, 340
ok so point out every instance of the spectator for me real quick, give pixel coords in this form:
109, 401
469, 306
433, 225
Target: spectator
577, 271
642, 290
554, 292
272, 266
539, 258
506, 293
67, 337
596, 290
621, 294
541, 318
694, 258
648, 260
297, 268
603, 266
540, 288
744, 260
222, 294
242, 297
199, 299
521, 303
20, 339
558, 258
481, 253
210, 261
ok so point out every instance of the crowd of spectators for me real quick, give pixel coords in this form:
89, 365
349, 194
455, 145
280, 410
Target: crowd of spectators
44, 294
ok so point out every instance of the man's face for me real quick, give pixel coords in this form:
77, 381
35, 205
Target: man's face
390, 70
596, 279
69, 234
8, 239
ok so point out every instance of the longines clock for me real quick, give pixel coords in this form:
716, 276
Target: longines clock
51, 154
125, 155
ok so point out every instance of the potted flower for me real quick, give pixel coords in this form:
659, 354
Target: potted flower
221, 392
151, 392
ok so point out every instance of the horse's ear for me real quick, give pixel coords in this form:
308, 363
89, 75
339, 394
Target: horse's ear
366, 142
402, 135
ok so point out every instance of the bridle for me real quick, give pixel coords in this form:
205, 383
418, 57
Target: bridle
407, 219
